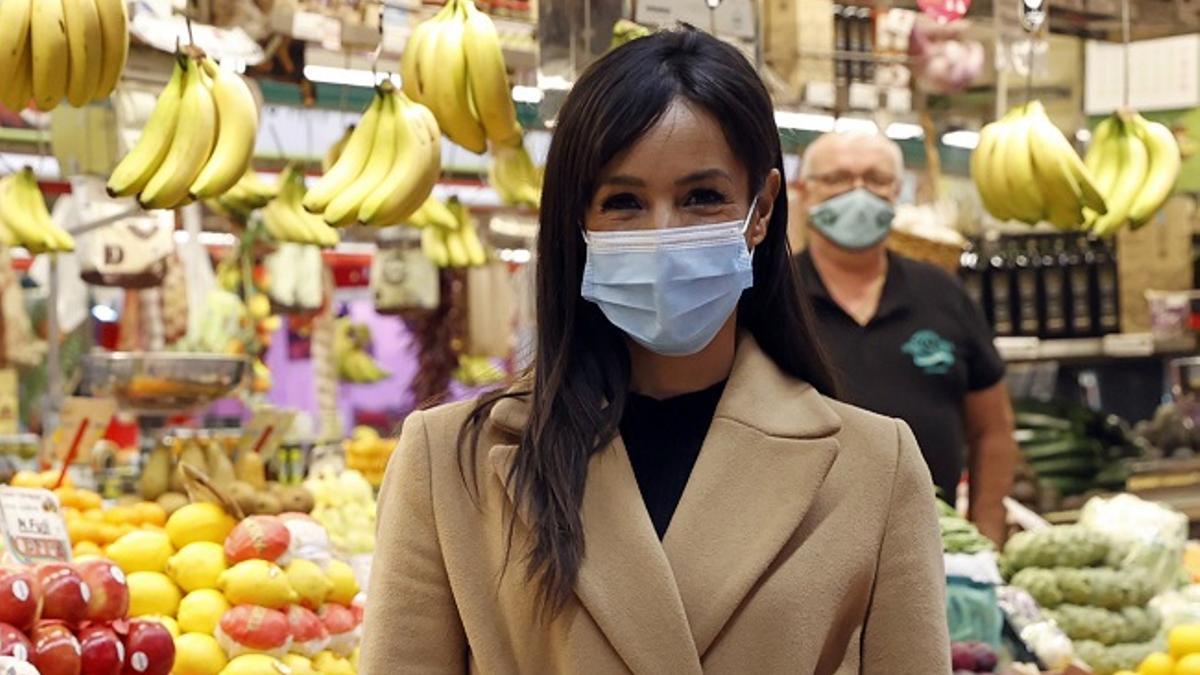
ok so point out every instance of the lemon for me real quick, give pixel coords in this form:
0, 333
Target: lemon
255, 664
141, 551
309, 582
327, 663
345, 585
1184, 640
299, 665
1188, 665
197, 565
257, 582
198, 654
86, 548
201, 521
169, 623
1157, 664
200, 611
152, 593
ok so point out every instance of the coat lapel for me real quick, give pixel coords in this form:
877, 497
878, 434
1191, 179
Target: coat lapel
624, 581
765, 457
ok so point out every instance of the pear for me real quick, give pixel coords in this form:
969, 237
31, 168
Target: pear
156, 474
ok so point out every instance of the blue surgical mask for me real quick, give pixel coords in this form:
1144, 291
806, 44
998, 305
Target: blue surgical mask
672, 289
854, 220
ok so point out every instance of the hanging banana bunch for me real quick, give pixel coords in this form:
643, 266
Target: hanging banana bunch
287, 221
458, 246
387, 167
453, 64
56, 49
198, 141
1136, 163
247, 195
24, 218
512, 174
1025, 169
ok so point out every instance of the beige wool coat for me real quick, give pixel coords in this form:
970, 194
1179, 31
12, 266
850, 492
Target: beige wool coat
806, 541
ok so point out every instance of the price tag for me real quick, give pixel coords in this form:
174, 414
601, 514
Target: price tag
820, 94
8, 401
899, 100
81, 423
265, 431
34, 530
864, 96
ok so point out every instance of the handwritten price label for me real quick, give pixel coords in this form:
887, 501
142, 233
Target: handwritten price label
34, 530
85, 419
265, 431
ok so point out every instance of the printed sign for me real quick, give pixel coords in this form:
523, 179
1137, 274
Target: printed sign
34, 530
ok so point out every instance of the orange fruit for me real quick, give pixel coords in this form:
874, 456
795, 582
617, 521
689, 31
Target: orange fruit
94, 515
151, 514
126, 528
66, 496
119, 515
86, 548
87, 499
107, 533
25, 479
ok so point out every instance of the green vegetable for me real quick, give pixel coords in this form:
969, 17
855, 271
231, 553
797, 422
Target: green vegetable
1063, 546
1108, 660
959, 535
1097, 586
1131, 624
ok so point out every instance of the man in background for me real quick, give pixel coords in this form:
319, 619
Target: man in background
906, 339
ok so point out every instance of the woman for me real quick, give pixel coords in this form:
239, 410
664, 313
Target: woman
671, 489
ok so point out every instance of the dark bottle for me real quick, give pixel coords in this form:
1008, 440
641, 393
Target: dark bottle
867, 65
1052, 282
1078, 264
1024, 290
971, 271
1000, 285
841, 44
1107, 300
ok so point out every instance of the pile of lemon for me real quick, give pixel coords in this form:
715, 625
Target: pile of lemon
92, 527
1183, 645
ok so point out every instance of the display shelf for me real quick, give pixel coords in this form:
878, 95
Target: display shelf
1092, 350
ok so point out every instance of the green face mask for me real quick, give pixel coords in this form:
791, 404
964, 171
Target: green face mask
854, 220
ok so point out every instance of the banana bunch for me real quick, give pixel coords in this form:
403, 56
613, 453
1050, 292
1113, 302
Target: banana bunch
453, 64
625, 30
287, 221
367, 452
24, 219
387, 167
459, 247
1025, 169
198, 141
335, 150
250, 193
55, 49
477, 371
353, 363
512, 174
1136, 163
434, 214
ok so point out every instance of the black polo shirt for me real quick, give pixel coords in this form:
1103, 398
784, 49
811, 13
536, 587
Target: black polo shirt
925, 349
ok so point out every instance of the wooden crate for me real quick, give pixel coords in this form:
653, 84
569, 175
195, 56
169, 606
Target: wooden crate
1156, 257
798, 40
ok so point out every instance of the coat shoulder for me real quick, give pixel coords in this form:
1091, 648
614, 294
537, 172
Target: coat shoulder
875, 438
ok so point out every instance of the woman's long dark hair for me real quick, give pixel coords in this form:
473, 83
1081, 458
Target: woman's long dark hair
580, 377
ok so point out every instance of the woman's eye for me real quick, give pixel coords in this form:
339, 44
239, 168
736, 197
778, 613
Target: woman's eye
705, 197
620, 202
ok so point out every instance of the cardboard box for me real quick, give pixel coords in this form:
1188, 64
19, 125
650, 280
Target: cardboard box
1156, 257
798, 40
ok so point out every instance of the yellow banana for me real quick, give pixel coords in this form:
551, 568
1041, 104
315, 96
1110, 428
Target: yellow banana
1133, 161
410, 78
17, 212
512, 174
457, 251
488, 77
1048, 139
190, 148
25, 183
237, 119
425, 58
1027, 200
335, 150
449, 91
476, 253
85, 40
1164, 164
114, 24
350, 164
1102, 134
138, 166
20, 87
15, 16
984, 182
345, 205
48, 33
255, 187
433, 245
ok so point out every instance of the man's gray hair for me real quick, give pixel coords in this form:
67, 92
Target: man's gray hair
853, 135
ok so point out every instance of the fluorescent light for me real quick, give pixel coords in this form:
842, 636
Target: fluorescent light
206, 238
961, 138
519, 256
333, 75
786, 119
904, 131
862, 124
1083, 135
524, 94
105, 314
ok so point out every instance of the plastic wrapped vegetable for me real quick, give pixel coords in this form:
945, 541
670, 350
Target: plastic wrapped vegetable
1064, 546
1041, 584
1108, 660
1132, 624
1096, 586
1149, 538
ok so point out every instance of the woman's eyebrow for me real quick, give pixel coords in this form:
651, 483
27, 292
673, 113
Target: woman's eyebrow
702, 175
630, 181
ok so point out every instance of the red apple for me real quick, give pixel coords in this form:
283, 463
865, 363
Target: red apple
14, 643
55, 650
105, 581
149, 649
20, 598
102, 651
64, 595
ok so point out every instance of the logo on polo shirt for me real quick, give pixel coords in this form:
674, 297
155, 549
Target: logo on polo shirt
930, 352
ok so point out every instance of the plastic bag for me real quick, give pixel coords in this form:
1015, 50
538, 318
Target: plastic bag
1039, 633
973, 612
1145, 536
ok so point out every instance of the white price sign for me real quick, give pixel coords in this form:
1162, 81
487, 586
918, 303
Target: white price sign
81, 423
34, 530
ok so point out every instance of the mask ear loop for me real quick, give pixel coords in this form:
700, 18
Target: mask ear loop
750, 215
